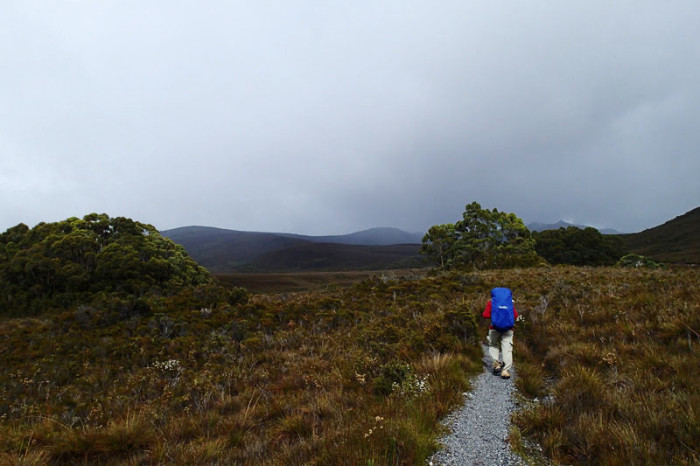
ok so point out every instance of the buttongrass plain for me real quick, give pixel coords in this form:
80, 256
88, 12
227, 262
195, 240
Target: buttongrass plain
612, 357
349, 376
606, 360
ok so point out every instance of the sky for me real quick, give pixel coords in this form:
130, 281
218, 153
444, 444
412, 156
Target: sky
330, 117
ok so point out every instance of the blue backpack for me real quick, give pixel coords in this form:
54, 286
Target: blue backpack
502, 317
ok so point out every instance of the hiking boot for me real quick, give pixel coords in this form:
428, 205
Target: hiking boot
497, 366
505, 375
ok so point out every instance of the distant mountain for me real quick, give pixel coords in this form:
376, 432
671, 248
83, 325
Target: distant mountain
538, 226
676, 241
382, 236
226, 251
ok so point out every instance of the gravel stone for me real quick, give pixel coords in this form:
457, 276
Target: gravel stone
480, 427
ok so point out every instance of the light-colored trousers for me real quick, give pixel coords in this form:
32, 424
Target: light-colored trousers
504, 340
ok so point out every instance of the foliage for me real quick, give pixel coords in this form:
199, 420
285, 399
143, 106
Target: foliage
577, 246
483, 239
57, 265
636, 260
391, 375
208, 377
440, 242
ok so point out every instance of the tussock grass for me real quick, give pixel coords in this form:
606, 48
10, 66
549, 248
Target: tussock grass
341, 376
619, 349
359, 375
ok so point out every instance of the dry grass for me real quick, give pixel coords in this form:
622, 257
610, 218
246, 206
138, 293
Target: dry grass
308, 281
621, 353
359, 375
283, 379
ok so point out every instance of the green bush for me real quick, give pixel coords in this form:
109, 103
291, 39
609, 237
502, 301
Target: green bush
57, 265
391, 376
577, 246
637, 261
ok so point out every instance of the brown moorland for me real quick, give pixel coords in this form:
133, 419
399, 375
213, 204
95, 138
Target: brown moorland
359, 374
307, 281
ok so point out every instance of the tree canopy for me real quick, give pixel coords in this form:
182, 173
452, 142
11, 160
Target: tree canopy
577, 246
54, 265
482, 239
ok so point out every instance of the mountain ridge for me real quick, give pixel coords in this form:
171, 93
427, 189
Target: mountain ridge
378, 236
224, 251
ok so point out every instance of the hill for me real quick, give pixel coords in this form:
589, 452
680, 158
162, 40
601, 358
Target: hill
539, 227
382, 236
227, 251
676, 241
221, 250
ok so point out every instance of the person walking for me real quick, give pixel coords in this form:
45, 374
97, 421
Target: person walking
501, 310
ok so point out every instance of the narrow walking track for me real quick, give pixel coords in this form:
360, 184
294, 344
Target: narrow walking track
479, 429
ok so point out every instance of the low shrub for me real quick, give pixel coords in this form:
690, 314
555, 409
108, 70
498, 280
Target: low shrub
357, 375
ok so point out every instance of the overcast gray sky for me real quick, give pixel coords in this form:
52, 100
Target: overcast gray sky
328, 117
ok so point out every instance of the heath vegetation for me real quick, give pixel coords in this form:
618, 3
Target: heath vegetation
349, 376
612, 354
358, 374
118, 349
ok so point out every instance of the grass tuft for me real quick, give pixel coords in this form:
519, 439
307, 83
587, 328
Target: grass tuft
358, 374
619, 351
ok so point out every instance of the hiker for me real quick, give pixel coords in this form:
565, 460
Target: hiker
501, 310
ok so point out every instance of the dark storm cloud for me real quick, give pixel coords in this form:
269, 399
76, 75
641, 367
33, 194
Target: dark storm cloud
330, 118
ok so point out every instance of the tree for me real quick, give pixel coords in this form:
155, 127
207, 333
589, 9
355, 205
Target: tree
55, 265
482, 239
438, 243
576, 246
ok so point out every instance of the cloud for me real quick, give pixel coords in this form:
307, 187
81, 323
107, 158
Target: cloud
321, 119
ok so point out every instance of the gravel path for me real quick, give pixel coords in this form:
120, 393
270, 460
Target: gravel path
480, 427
